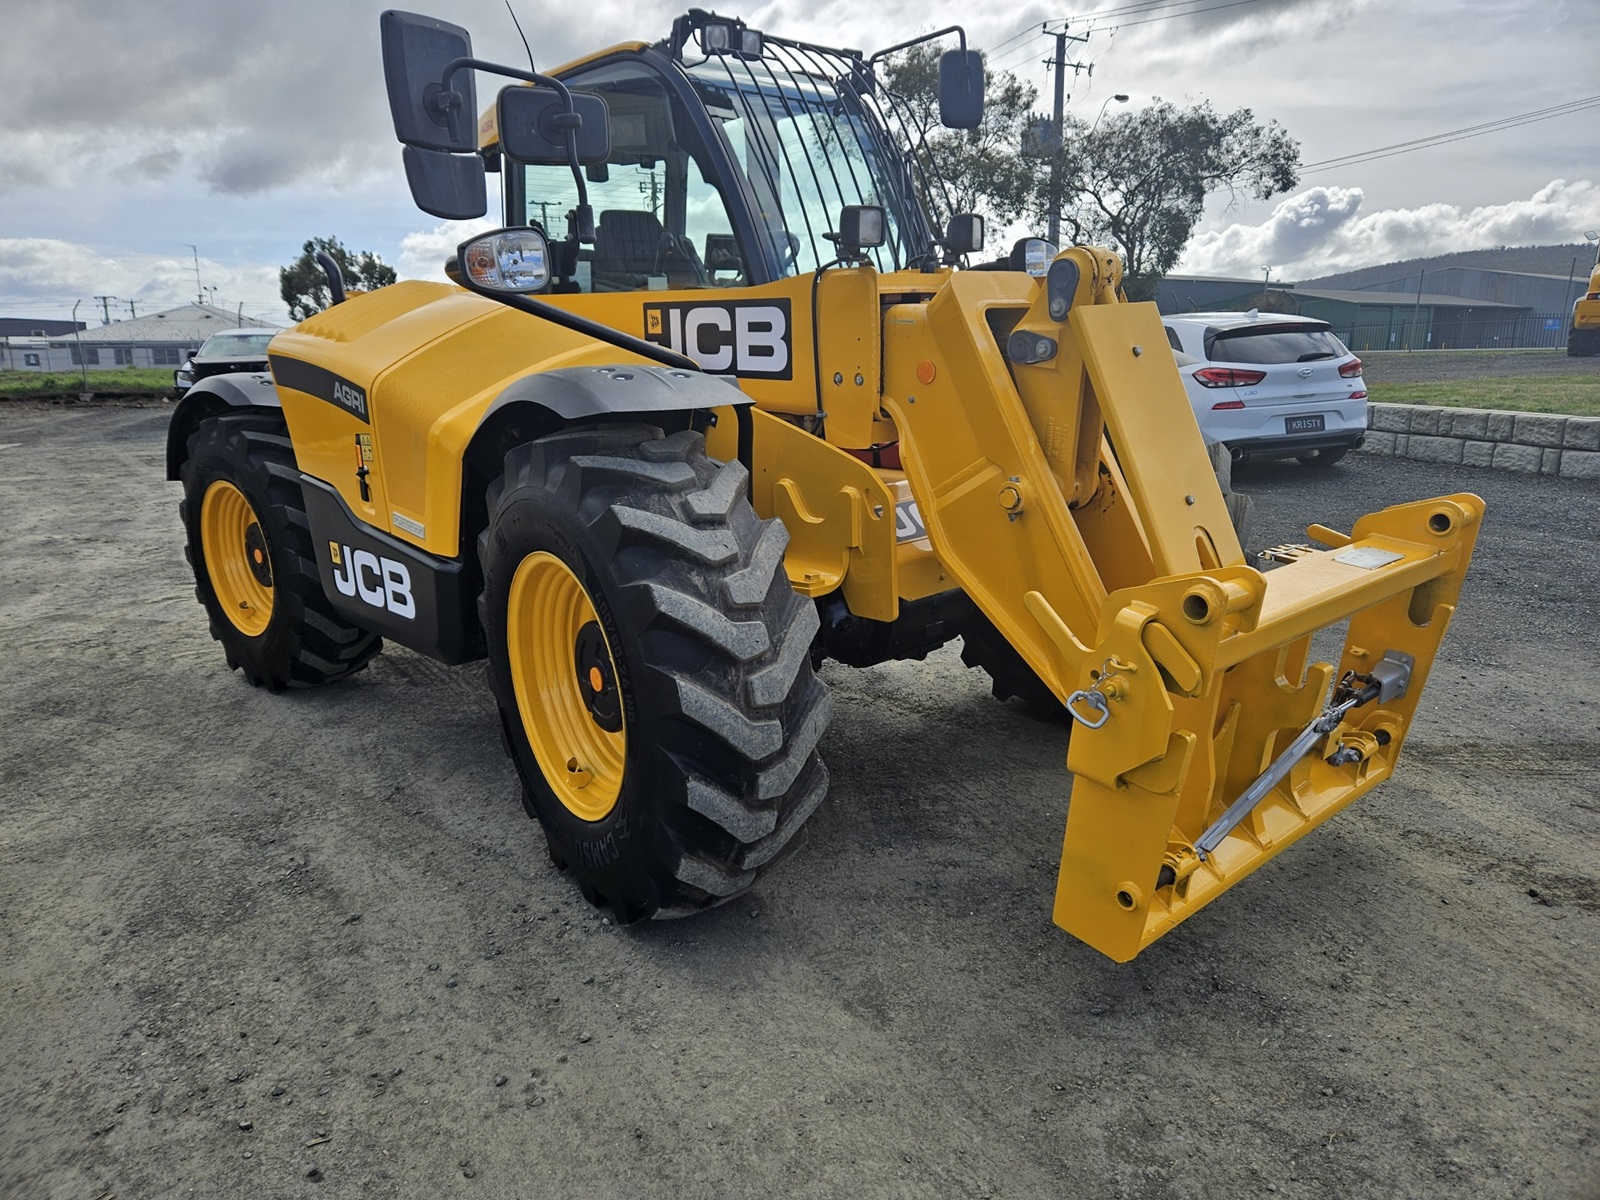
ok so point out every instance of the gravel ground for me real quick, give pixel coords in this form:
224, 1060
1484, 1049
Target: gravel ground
309, 945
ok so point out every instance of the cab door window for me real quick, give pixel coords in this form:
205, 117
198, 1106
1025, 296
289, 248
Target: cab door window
661, 216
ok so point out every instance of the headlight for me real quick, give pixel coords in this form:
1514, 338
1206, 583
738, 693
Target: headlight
509, 260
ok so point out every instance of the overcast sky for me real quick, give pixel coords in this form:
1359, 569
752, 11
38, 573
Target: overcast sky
137, 128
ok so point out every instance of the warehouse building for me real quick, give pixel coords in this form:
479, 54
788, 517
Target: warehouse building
163, 339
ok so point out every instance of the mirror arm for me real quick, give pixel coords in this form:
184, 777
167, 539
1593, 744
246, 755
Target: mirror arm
570, 122
917, 41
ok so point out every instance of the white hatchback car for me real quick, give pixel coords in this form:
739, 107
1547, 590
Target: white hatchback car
1268, 385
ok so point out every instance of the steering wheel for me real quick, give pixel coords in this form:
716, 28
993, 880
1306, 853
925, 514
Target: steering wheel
791, 257
672, 249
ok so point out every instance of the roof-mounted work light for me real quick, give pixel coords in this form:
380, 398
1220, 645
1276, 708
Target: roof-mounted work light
731, 37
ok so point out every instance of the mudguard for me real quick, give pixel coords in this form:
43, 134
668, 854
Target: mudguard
578, 393
218, 393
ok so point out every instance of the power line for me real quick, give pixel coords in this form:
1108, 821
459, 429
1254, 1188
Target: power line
1016, 56
1144, 6
1030, 28
1457, 135
1138, 7
1193, 12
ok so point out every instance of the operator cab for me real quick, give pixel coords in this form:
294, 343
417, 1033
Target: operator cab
731, 157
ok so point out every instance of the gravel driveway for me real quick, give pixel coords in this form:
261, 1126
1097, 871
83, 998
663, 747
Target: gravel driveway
308, 945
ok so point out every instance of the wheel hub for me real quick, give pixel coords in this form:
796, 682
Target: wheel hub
255, 553
597, 678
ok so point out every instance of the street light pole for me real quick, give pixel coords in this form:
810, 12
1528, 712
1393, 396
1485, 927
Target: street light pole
200, 297
1416, 312
77, 336
1120, 98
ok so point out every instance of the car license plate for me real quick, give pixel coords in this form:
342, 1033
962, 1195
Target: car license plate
1314, 424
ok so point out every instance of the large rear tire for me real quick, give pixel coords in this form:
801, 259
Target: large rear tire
1583, 343
652, 667
249, 544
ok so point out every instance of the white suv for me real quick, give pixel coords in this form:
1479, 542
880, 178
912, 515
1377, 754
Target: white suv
1271, 386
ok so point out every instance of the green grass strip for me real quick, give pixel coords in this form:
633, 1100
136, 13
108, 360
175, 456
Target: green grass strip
128, 381
1569, 395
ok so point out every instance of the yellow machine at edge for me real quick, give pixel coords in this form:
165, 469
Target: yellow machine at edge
1583, 334
660, 468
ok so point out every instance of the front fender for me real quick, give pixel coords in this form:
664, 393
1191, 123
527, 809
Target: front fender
243, 392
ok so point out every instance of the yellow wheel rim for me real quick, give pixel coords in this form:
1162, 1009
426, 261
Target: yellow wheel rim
238, 559
566, 686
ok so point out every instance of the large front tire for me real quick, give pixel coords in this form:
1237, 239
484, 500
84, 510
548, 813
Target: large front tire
652, 667
249, 543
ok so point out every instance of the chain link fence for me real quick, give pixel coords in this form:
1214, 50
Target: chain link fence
1441, 331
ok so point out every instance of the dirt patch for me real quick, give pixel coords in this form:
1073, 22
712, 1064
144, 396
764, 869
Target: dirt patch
308, 945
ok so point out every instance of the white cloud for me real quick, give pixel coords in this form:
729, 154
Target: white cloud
423, 254
1322, 230
45, 276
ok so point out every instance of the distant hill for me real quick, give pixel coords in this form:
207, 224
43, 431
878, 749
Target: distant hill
1535, 260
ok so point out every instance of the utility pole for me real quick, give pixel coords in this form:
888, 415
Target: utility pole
200, 291
133, 312
1060, 63
1266, 285
105, 308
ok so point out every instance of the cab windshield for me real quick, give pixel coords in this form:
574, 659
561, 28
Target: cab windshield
224, 345
807, 147
803, 144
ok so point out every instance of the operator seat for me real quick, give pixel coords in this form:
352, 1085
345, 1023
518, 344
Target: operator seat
626, 244
630, 246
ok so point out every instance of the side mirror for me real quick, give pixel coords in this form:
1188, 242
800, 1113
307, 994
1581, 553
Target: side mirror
531, 129
961, 89
964, 234
416, 52
449, 186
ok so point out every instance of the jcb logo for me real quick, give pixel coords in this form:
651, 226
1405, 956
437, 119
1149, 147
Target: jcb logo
380, 582
748, 338
908, 525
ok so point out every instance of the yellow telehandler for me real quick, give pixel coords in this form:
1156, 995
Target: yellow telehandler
720, 401
1583, 332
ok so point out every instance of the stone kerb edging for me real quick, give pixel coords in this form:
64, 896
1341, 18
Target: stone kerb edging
1531, 443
